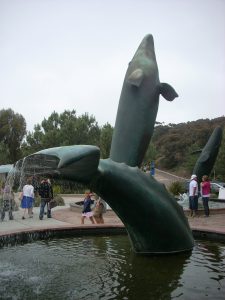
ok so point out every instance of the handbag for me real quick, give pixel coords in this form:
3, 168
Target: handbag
52, 203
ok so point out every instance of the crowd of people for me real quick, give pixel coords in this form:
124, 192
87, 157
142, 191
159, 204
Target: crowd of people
30, 189
92, 209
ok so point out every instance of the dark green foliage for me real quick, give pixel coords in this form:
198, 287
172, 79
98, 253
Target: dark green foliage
176, 188
68, 187
12, 132
58, 198
63, 130
105, 140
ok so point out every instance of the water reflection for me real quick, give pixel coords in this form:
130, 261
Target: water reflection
106, 268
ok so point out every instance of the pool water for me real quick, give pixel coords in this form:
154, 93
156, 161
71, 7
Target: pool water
106, 268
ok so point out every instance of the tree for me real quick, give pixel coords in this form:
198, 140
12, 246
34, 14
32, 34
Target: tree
151, 153
12, 132
105, 140
33, 141
63, 130
4, 154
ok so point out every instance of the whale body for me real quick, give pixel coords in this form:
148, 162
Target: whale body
138, 106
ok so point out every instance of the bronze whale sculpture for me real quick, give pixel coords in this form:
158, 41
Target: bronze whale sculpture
154, 220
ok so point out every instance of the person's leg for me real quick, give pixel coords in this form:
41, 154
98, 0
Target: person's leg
42, 208
191, 205
24, 213
101, 219
10, 213
96, 219
10, 209
3, 213
206, 206
30, 212
30, 207
48, 211
92, 220
82, 219
195, 205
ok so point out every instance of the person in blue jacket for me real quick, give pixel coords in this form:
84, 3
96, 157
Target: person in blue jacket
87, 211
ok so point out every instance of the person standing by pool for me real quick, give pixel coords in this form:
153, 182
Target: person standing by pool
99, 209
193, 195
7, 198
27, 198
87, 212
46, 192
205, 191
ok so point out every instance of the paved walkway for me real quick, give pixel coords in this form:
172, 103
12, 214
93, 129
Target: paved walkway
63, 217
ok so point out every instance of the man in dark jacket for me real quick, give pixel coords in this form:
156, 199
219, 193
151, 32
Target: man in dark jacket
46, 193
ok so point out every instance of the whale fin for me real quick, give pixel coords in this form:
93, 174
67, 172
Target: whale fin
136, 77
167, 91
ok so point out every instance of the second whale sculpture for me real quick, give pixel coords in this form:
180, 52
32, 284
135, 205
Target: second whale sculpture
154, 220
207, 158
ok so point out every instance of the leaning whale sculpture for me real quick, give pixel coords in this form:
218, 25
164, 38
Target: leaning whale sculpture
154, 221
207, 158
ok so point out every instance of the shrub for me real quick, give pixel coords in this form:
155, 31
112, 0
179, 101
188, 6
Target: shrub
59, 200
176, 188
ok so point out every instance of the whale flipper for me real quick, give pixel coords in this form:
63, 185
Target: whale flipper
136, 77
167, 91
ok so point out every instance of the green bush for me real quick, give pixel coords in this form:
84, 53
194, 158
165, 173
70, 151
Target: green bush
59, 200
57, 189
176, 188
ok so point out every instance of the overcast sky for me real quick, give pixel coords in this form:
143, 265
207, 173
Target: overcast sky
58, 55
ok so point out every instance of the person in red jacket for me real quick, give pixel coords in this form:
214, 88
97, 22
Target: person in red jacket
205, 191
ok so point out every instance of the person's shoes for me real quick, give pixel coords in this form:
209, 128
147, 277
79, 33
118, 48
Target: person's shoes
23, 218
11, 218
49, 216
40, 218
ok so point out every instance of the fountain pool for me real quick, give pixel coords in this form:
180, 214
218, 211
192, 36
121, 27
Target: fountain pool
93, 267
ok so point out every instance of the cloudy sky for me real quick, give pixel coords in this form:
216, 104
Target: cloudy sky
58, 55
